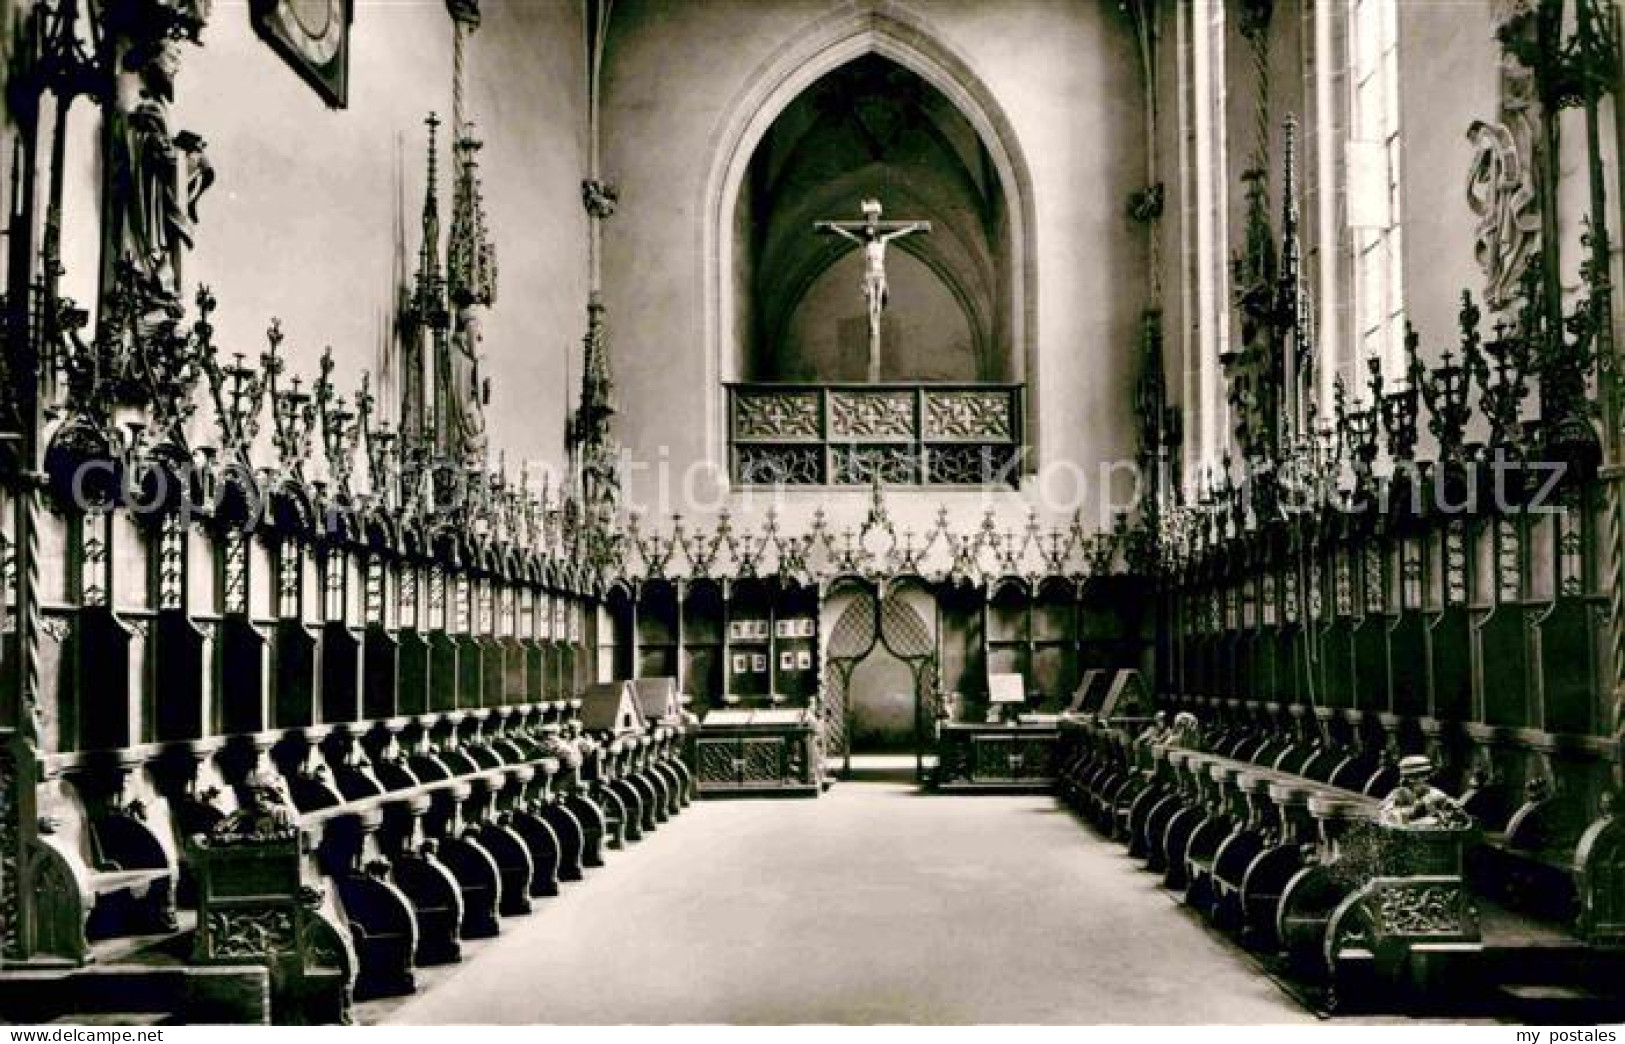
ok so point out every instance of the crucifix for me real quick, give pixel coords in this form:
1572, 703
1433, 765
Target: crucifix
873, 234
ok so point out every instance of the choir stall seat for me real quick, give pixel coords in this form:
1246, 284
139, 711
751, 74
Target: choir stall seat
1291, 863
101, 866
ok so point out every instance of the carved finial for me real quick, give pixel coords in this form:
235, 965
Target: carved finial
431, 202
471, 260
590, 435
465, 13
430, 281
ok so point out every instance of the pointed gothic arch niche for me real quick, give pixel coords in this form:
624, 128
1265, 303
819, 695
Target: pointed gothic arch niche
900, 37
873, 129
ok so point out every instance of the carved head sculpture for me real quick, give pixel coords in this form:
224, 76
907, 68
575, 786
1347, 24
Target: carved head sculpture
473, 330
265, 792
554, 745
1187, 730
266, 813
155, 61
1416, 768
1417, 805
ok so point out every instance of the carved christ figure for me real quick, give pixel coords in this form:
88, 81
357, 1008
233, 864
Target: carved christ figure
872, 234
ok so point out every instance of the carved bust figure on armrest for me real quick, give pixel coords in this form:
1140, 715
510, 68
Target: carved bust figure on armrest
266, 812
1156, 732
1418, 805
1187, 731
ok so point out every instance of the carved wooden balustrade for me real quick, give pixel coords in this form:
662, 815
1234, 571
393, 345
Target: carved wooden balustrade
863, 434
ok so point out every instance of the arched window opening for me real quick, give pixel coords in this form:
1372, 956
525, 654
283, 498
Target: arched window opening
873, 130
865, 361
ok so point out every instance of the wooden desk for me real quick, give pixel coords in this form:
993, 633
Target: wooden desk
769, 751
973, 756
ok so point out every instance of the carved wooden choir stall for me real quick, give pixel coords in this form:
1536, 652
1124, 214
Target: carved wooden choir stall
297, 701
1427, 588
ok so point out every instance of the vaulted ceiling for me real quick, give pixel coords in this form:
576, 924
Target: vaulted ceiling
873, 129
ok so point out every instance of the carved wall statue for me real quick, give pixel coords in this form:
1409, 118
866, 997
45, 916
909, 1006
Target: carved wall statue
1503, 185
156, 175
467, 390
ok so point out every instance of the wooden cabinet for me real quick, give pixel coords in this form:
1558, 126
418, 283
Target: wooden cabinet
995, 757
761, 751
749, 643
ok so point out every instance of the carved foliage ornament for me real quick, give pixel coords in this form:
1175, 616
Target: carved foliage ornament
1427, 909
865, 465
1503, 187
251, 932
872, 414
969, 415
777, 416
600, 198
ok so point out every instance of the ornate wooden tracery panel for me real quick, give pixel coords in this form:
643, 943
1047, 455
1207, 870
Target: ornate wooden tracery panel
868, 622
902, 435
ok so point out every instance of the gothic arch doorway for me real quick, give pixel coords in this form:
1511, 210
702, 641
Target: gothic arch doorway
880, 682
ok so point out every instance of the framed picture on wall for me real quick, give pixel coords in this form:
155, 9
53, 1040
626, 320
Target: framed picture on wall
787, 660
804, 659
313, 36
741, 663
758, 663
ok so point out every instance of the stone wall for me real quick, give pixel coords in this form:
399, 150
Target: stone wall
314, 208
683, 78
